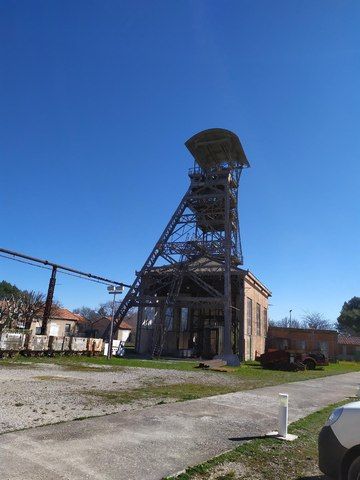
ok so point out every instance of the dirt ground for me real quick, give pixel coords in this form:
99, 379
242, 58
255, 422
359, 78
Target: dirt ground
39, 394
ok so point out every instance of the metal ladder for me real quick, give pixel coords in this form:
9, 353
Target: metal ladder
161, 328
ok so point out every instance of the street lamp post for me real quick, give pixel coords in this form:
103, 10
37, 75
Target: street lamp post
113, 290
290, 316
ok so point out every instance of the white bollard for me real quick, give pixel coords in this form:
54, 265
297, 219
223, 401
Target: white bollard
283, 420
283, 414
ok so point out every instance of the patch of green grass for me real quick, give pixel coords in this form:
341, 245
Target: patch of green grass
268, 458
256, 376
248, 376
178, 392
246, 370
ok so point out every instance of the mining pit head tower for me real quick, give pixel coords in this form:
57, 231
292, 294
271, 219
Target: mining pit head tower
191, 264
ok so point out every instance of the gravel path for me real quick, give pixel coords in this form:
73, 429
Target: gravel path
39, 394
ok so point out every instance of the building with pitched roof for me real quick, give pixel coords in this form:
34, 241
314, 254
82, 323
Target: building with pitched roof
61, 322
348, 348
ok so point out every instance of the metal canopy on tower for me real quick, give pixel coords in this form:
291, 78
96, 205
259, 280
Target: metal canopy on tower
215, 147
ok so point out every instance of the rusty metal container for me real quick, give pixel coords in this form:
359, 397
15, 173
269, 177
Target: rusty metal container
59, 344
11, 341
78, 344
95, 346
37, 343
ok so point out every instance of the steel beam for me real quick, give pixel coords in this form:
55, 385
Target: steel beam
49, 300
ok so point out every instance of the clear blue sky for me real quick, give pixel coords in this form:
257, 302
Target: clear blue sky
98, 97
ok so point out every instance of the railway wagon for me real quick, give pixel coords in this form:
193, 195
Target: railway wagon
27, 344
35, 345
58, 345
11, 343
95, 346
78, 345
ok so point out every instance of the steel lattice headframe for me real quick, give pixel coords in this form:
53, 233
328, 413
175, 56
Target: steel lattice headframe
204, 229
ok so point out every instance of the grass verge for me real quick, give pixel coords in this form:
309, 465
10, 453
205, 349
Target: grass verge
252, 371
268, 459
176, 392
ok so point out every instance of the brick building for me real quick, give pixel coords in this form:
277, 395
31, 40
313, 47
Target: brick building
349, 348
194, 328
303, 339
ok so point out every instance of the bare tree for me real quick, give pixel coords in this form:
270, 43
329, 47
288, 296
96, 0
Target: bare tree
88, 313
288, 322
105, 309
91, 316
272, 322
21, 310
316, 321
31, 305
10, 313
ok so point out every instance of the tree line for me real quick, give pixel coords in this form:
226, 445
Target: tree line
104, 310
348, 322
22, 306
19, 307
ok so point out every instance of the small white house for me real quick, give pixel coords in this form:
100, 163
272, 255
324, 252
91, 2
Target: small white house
124, 332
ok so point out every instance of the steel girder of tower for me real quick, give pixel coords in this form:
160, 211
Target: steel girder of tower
204, 226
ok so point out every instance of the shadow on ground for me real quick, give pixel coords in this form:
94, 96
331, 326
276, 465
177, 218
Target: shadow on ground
244, 439
314, 477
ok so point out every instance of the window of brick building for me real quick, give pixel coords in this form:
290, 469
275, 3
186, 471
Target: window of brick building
283, 343
249, 315
323, 346
258, 319
301, 344
169, 318
184, 320
265, 320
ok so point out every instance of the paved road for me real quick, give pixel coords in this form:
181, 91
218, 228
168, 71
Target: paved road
161, 440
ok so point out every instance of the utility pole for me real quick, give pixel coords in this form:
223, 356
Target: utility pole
113, 290
10, 254
49, 300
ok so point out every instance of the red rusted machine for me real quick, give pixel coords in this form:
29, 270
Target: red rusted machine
292, 360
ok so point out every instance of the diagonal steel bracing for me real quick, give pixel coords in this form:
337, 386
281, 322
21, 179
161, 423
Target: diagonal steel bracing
202, 235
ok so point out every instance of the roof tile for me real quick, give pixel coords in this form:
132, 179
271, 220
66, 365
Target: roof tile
348, 340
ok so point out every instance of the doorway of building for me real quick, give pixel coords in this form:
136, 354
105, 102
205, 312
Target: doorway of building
211, 342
